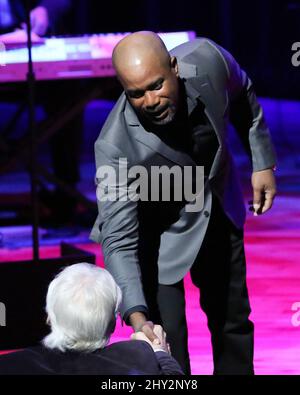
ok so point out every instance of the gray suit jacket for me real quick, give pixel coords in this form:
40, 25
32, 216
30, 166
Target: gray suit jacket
132, 231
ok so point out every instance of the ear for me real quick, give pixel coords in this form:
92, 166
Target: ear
174, 65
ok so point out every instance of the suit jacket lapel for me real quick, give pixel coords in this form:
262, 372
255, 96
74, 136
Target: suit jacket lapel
200, 87
152, 141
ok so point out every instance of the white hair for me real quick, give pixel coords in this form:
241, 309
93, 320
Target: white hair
82, 304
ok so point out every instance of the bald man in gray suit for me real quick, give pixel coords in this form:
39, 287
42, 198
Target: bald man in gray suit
175, 111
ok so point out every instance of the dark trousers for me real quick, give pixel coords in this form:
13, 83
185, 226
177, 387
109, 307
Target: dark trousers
220, 274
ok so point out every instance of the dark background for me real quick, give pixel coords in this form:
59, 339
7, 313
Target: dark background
259, 33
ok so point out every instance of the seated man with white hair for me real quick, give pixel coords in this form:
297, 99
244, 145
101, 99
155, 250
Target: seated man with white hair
82, 306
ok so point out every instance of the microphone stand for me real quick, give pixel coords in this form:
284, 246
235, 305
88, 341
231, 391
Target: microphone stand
28, 312
33, 145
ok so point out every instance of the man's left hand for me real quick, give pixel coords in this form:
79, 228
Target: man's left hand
264, 190
39, 21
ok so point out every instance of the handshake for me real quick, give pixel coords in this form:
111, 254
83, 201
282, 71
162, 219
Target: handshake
158, 343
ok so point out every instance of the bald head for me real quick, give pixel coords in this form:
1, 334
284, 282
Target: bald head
139, 50
149, 76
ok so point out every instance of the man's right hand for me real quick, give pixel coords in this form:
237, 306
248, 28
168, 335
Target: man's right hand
140, 324
158, 330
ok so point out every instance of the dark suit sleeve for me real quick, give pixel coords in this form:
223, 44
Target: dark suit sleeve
159, 362
168, 365
247, 116
118, 226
